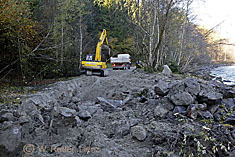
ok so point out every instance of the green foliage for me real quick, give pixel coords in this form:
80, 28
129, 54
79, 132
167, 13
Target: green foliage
148, 69
174, 67
160, 68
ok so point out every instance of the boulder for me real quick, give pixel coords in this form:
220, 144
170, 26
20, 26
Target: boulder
229, 103
176, 86
192, 86
41, 100
92, 109
160, 131
160, 112
166, 103
109, 105
180, 109
27, 108
8, 116
84, 115
161, 88
10, 137
166, 70
121, 127
210, 97
75, 100
24, 119
64, 111
139, 133
183, 98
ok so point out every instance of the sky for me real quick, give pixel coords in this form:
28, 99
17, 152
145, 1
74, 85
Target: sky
212, 12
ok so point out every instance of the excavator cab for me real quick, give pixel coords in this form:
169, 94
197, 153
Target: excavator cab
96, 64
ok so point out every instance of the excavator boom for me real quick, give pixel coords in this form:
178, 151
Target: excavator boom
102, 39
97, 64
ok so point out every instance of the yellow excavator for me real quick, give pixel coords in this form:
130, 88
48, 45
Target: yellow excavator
97, 64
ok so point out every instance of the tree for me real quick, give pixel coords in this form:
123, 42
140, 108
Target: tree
18, 33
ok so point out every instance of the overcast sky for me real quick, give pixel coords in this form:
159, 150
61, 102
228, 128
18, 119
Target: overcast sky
212, 12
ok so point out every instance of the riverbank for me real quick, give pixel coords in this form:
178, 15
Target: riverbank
126, 114
208, 72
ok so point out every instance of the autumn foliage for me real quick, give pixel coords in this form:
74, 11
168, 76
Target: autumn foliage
16, 26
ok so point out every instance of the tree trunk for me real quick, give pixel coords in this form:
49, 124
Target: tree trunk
62, 39
161, 33
183, 33
182, 42
81, 36
20, 60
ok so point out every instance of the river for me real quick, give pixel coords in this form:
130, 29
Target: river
227, 73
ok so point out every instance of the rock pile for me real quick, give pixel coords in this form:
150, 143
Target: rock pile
194, 98
150, 115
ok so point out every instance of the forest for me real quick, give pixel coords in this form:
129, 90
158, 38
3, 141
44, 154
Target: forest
49, 108
42, 39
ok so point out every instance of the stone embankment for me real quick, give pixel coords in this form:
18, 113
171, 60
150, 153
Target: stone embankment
126, 114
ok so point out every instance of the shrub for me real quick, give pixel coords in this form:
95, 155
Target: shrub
174, 67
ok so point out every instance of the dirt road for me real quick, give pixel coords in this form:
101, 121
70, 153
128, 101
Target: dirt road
115, 85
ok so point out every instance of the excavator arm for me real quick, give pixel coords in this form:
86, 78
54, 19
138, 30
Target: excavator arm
97, 65
102, 39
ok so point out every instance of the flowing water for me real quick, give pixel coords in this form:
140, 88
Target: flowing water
227, 73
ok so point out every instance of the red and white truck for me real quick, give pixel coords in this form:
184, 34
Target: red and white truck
122, 61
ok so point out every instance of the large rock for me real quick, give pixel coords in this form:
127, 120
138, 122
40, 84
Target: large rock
192, 86
166, 103
84, 115
105, 102
24, 119
159, 111
161, 88
183, 98
27, 108
139, 133
160, 131
166, 70
8, 116
30, 109
109, 105
176, 86
121, 127
229, 103
210, 97
75, 100
64, 111
180, 109
10, 137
